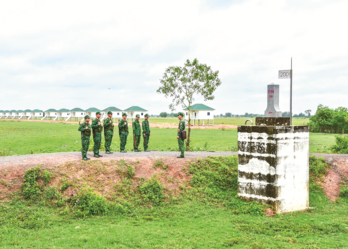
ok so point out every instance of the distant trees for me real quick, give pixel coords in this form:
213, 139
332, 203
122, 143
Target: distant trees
308, 112
163, 114
329, 120
228, 114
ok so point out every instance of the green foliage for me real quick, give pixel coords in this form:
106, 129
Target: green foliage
130, 171
344, 190
341, 145
329, 120
152, 191
46, 177
64, 186
160, 164
30, 187
87, 202
318, 168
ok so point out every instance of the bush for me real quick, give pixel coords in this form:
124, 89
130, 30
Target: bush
318, 167
152, 191
341, 145
46, 177
86, 202
160, 164
30, 187
344, 191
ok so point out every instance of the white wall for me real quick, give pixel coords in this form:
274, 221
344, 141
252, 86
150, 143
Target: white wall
133, 114
51, 114
114, 114
38, 114
77, 114
200, 115
64, 114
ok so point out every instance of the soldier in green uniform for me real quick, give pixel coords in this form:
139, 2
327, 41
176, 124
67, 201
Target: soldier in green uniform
123, 129
146, 132
85, 129
179, 135
97, 134
108, 132
136, 133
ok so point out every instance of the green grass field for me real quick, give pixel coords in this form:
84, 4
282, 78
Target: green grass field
207, 214
19, 138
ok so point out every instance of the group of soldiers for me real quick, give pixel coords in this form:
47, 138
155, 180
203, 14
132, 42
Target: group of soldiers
97, 128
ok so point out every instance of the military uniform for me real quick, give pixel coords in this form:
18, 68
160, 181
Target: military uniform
108, 133
97, 135
123, 130
136, 134
181, 141
146, 132
85, 129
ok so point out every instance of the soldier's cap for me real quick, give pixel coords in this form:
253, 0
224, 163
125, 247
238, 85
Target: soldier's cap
86, 117
97, 113
124, 114
109, 112
181, 114
137, 116
146, 115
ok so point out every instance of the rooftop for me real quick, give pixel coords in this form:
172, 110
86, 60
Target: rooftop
200, 107
77, 110
112, 109
135, 109
92, 109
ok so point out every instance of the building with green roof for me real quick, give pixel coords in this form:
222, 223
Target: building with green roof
50, 114
27, 113
91, 112
116, 112
134, 110
200, 114
2, 114
64, 114
77, 113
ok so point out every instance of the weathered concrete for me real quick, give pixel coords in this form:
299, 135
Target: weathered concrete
274, 166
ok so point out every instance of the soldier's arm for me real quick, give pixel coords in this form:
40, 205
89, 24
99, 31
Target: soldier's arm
121, 124
95, 123
143, 126
82, 127
106, 122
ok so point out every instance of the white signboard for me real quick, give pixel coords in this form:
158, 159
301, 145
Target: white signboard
284, 74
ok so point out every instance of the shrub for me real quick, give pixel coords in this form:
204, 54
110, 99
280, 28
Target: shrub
341, 145
64, 186
46, 177
130, 171
160, 164
86, 202
30, 187
318, 167
344, 191
152, 191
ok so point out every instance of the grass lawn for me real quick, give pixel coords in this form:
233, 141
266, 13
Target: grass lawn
19, 138
226, 121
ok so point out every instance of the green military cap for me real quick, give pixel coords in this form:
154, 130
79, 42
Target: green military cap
98, 113
86, 117
109, 112
146, 115
124, 114
137, 116
181, 114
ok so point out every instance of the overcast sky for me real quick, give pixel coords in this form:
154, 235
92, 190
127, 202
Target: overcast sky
66, 54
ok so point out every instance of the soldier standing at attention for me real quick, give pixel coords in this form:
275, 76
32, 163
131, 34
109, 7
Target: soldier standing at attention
179, 136
108, 132
136, 133
97, 135
123, 128
85, 129
146, 132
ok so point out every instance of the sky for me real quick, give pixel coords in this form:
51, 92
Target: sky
67, 54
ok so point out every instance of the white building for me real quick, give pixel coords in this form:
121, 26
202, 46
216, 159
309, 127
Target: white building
77, 113
91, 112
64, 114
37, 114
50, 114
27, 113
20, 114
2, 114
7, 113
200, 114
116, 113
13, 114
134, 110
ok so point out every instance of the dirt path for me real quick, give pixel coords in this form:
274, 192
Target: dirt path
52, 159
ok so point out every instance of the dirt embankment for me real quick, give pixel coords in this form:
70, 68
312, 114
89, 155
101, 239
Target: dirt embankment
338, 173
152, 125
102, 175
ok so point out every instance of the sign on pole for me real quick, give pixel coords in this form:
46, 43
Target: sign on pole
287, 74
284, 74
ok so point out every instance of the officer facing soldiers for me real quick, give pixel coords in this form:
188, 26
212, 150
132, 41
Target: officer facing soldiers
136, 133
85, 129
123, 129
179, 136
146, 132
97, 135
108, 132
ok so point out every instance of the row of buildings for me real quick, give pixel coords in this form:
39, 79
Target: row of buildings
73, 114
200, 113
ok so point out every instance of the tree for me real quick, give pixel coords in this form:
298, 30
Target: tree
163, 114
181, 84
308, 112
228, 114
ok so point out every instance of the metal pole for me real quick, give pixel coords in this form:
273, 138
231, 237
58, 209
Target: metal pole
291, 93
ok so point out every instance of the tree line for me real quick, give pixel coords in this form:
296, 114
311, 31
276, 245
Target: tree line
329, 120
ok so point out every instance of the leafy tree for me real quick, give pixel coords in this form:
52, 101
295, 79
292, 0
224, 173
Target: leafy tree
308, 112
163, 114
181, 84
228, 114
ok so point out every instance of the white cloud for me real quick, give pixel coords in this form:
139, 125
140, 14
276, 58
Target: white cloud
68, 53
